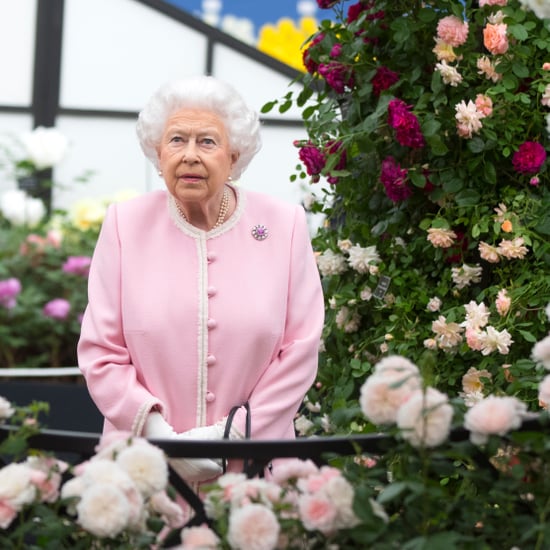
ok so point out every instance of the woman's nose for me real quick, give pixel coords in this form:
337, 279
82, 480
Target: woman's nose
190, 151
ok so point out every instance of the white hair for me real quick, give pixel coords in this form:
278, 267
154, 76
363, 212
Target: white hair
203, 92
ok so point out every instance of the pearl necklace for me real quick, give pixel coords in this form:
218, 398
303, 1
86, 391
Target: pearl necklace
224, 207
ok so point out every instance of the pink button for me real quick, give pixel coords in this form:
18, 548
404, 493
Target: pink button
211, 290
211, 323
210, 397
211, 360
211, 256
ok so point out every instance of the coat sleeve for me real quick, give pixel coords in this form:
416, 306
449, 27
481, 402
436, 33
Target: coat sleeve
280, 390
103, 356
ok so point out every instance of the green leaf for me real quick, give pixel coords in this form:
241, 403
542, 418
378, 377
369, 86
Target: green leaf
391, 492
528, 336
268, 106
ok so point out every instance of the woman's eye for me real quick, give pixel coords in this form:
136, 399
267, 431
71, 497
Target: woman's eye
208, 142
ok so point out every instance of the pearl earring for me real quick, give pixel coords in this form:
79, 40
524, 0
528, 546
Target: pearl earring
160, 172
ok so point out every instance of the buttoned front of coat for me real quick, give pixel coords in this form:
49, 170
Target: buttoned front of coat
195, 322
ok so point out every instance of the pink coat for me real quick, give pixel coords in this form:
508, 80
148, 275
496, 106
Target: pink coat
196, 322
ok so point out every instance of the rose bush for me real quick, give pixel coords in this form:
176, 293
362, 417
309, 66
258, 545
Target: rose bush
44, 258
427, 123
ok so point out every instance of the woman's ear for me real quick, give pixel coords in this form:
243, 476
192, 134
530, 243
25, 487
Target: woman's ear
234, 158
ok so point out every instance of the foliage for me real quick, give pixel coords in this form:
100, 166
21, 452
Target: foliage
435, 476
435, 245
118, 499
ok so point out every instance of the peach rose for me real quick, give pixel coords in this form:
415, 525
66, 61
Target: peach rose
495, 39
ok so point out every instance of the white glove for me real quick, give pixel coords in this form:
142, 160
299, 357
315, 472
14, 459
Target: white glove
157, 427
196, 469
190, 469
204, 433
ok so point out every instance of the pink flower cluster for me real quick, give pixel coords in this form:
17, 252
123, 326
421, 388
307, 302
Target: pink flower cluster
9, 289
38, 479
315, 159
394, 394
469, 115
452, 30
302, 496
406, 125
77, 265
383, 79
338, 76
394, 179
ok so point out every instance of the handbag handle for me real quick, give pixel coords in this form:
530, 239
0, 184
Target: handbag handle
247, 430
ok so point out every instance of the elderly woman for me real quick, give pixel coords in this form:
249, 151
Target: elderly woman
202, 296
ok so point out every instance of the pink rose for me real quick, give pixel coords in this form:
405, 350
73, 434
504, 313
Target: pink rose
77, 265
317, 512
9, 289
58, 308
7, 514
495, 39
494, 415
529, 157
251, 523
452, 30
484, 104
201, 537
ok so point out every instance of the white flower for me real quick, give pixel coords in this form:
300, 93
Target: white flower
16, 486
378, 510
341, 494
384, 392
72, 489
434, 304
254, 527
544, 392
303, 425
494, 415
466, 275
493, 340
449, 74
360, 258
21, 209
147, 467
477, 315
396, 363
448, 335
200, 537
106, 471
45, 147
541, 352
6, 409
103, 510
170, 510
425, 418
540, 7
471, 398
331, 263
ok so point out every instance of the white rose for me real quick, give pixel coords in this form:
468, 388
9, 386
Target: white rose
45, 147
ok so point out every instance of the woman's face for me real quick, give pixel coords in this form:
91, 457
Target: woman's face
194, 155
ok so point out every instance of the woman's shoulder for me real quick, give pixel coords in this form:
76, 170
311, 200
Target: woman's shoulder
257, 201
142, 204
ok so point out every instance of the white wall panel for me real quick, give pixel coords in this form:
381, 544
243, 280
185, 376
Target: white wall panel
17, 32
109, 148
116, 53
